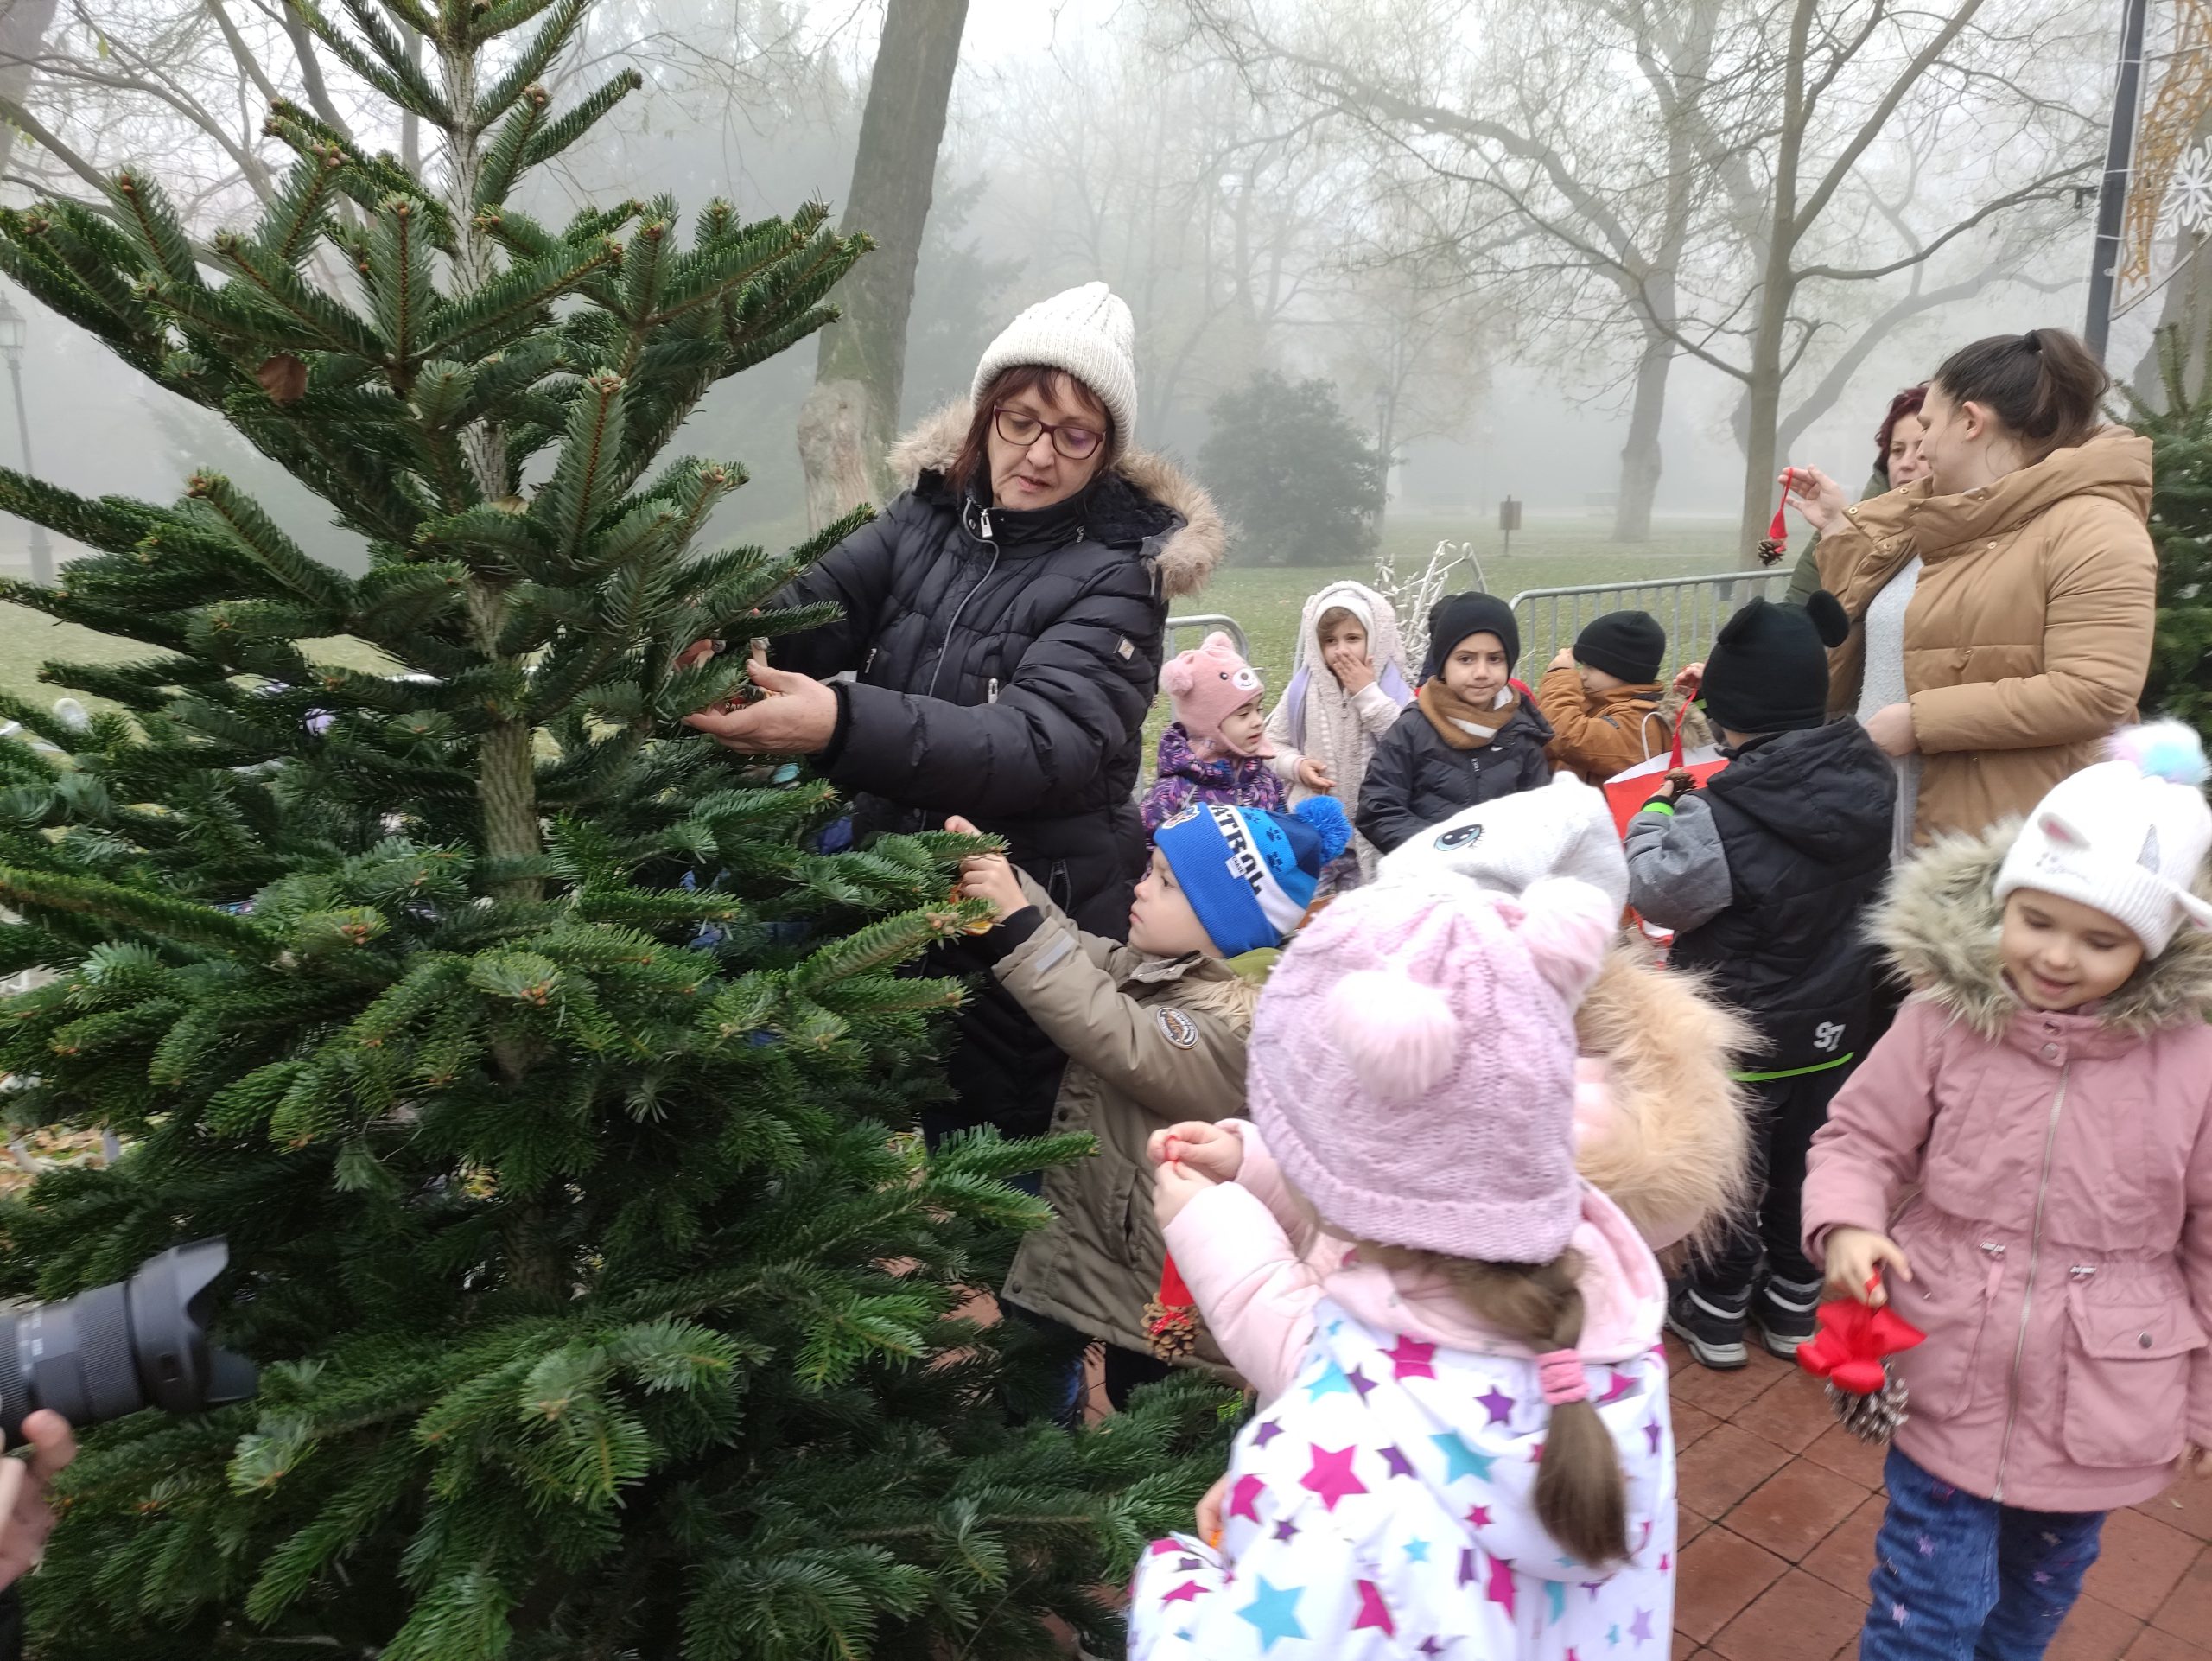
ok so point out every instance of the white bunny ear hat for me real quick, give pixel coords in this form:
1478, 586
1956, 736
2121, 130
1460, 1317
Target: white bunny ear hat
1412, 1063
2128, 837
1563, 830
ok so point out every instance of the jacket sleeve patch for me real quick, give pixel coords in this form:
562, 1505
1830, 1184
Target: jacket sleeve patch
1177, 1028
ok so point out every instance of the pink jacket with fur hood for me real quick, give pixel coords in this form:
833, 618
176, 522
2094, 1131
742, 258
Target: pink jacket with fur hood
2050, 1178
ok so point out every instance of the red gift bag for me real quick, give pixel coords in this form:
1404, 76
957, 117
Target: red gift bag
1626, 793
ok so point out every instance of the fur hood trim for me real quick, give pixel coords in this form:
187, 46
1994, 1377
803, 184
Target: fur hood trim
1675, 1153
1188, 555
1940, 922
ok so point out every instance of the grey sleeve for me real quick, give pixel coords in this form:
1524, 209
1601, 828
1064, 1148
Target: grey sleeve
1677, 869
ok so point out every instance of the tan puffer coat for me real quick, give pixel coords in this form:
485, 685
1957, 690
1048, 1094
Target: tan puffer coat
2029, 632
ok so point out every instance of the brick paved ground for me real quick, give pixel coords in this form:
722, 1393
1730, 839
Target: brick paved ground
1779, 1508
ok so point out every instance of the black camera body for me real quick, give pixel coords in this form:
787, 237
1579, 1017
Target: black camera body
109, 1351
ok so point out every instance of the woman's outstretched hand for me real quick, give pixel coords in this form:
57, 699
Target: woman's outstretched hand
26, 1514
1814, 495
795, 715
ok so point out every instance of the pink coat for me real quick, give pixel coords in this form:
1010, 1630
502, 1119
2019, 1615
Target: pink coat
2050, 1178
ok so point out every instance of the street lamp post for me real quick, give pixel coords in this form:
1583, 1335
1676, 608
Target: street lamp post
2112, 192
13, 329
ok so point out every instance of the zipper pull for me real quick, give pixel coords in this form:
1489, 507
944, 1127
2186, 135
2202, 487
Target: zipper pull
984, 520
992, 697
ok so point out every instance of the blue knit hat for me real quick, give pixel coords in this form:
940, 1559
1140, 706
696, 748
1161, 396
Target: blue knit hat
1250, 874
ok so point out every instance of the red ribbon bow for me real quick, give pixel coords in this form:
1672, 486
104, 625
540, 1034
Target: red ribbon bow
1853, 1338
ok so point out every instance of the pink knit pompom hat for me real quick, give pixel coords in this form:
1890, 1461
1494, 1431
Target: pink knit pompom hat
1412, 1063
1210, 685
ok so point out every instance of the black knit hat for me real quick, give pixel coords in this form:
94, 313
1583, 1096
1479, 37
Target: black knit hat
1627, 645
1456, 616
1768, 672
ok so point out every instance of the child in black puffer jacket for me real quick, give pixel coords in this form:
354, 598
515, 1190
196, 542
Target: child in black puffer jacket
1764, 875
1470, 735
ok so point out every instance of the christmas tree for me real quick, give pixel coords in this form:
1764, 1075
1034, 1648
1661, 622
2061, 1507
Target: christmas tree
541, 1071
2180, 682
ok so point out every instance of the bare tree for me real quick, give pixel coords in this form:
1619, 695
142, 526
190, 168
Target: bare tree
845, 430
1722, 191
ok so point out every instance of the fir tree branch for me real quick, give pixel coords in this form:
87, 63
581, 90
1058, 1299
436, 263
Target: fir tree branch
149, 914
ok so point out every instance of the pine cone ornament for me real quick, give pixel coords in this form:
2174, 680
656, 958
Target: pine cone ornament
1851, 1353
1874, 1417
1171, 1319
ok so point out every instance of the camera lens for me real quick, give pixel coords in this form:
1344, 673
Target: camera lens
111, 1351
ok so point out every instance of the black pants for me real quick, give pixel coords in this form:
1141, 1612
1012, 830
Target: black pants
1786, 1114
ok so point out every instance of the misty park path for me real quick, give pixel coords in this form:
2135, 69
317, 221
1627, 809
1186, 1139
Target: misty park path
1779, 1507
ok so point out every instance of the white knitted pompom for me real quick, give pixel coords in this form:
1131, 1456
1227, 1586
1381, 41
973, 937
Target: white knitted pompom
1399, 1034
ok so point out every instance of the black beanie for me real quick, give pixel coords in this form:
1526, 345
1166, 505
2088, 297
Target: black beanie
1629, 645
1768, 672
1456, 616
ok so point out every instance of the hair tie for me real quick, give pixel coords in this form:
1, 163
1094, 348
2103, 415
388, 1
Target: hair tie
2032, 340
1563, 1380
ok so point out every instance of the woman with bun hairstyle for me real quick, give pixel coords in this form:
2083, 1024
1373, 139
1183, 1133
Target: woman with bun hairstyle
2001, 608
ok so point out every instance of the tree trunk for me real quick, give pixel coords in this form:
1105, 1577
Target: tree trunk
1641, 460
846, 427
22, 34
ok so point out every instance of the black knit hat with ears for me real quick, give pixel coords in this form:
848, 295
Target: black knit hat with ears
1629, 645
1768, 671
1456, 616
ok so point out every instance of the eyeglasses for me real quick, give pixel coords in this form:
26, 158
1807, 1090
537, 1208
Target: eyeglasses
1018, 427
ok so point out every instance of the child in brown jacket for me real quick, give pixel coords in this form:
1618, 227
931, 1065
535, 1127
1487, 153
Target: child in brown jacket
1154, 1032
1604, 701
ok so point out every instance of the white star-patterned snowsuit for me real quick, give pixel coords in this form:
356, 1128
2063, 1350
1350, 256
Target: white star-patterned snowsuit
1380, 1505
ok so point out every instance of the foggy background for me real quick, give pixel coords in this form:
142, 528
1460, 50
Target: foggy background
1206, 160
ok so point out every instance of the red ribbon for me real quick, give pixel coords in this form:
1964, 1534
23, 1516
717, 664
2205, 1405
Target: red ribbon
1174, 1296
1853, 1337
1778, 531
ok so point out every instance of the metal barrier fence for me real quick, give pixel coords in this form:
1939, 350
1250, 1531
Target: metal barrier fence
1690, 608
1205, 621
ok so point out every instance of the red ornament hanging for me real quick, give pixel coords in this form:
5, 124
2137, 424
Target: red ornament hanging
1851, 1353
1776, 542
1171, 1319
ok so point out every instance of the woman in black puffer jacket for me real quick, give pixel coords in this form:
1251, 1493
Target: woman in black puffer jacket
1003, 622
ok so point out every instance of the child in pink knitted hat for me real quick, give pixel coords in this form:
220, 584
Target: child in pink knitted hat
1463, 1447
1215, 753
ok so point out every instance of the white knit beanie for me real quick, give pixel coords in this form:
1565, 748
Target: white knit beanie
1506, 844
1088, 332
2128, 837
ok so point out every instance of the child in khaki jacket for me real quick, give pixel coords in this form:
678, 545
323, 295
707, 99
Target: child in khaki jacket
1154, 1032
1603, 698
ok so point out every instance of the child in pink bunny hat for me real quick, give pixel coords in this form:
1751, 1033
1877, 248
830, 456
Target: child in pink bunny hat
1463, 1447
1215, 753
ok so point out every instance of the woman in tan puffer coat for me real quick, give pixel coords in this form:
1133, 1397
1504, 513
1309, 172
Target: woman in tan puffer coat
2002, 607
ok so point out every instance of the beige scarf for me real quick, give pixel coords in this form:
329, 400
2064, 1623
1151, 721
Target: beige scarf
1461, 723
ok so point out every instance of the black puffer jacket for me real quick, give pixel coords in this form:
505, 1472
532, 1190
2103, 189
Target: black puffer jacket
1005, 674
1416, 780
1804, 821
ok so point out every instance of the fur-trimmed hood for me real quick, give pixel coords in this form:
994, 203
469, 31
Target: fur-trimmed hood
1661, 1126
1188, 553
1940, 922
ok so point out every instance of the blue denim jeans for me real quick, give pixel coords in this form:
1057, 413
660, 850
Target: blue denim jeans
1958, 1578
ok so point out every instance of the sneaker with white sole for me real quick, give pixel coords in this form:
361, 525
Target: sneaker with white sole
1785, 1313
1712, 1330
